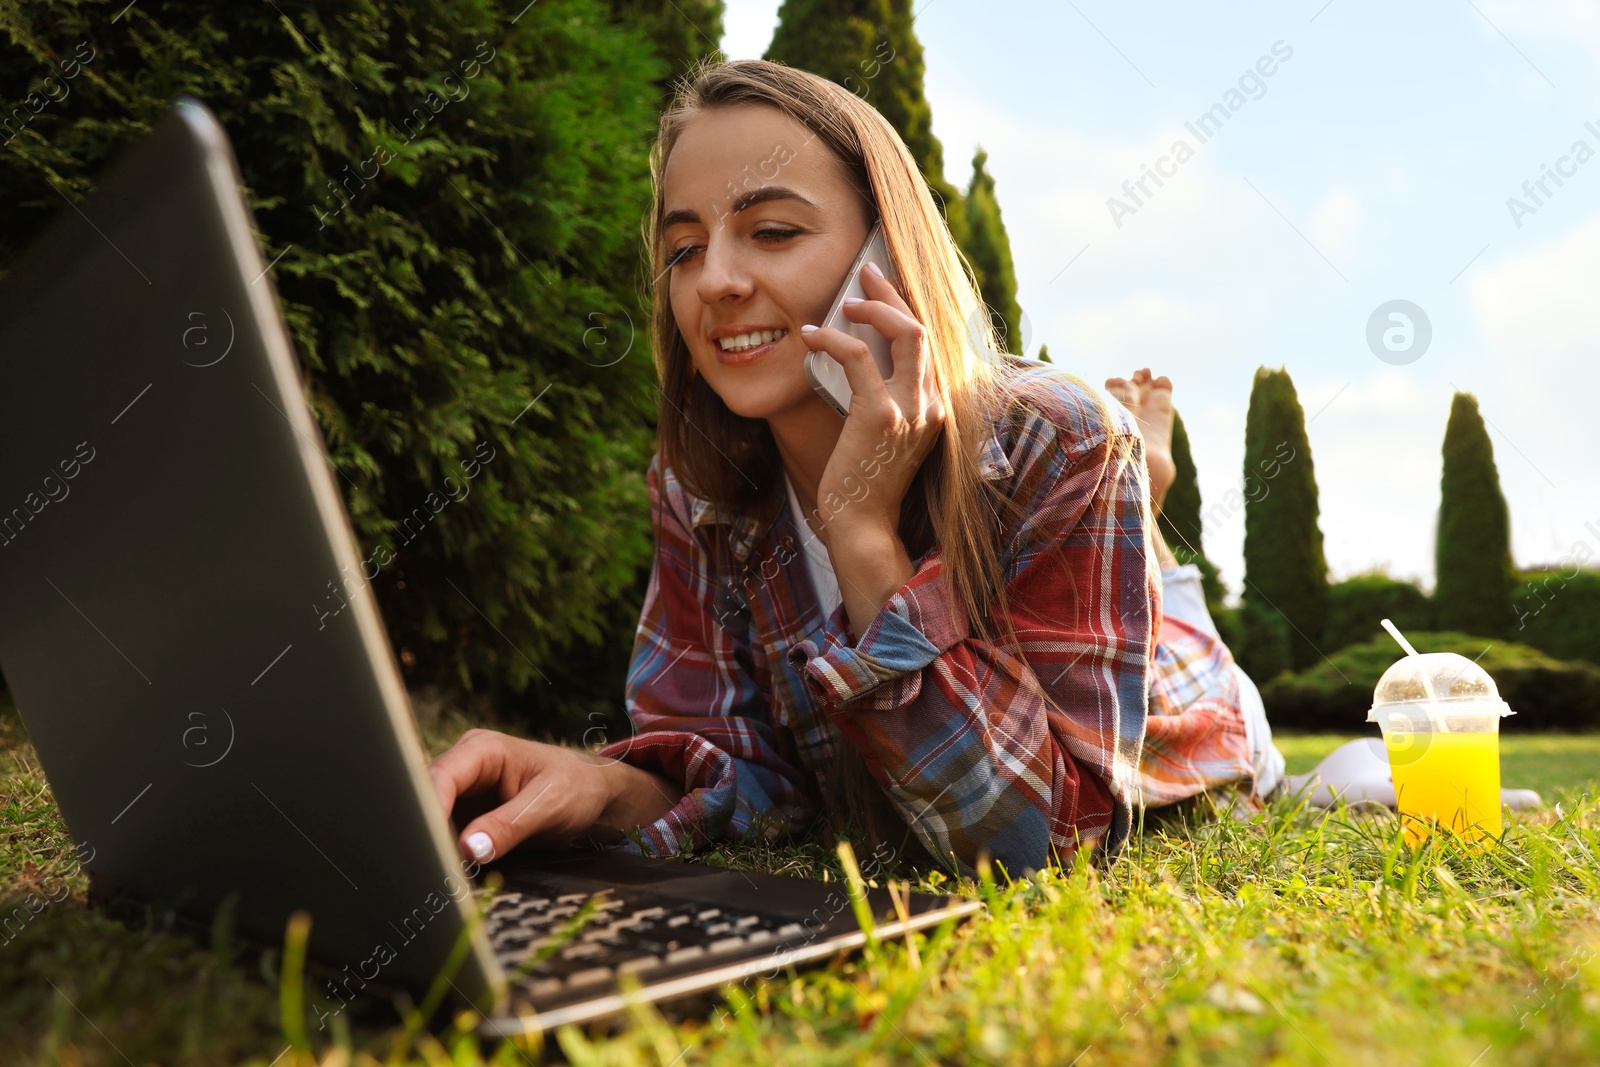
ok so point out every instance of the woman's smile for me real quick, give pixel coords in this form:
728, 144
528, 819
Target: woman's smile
741, 343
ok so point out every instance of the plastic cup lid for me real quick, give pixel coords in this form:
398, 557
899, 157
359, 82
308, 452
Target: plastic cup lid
1442, 683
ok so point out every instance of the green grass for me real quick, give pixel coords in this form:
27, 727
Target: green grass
1293, 938
1556, 765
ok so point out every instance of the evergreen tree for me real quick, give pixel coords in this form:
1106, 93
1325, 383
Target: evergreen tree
1180, 512
452, 202
1472, 551
1180, 517
1286, 573
870, 47
584, 683
988, 252
682, 31
1044, 354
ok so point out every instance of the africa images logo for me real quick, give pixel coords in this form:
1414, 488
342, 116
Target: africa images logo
1399, 332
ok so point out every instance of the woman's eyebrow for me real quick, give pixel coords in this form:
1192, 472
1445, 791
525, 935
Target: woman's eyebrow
743, 200
677, 215
766, 193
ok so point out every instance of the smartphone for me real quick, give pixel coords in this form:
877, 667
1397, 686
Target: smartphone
822, 370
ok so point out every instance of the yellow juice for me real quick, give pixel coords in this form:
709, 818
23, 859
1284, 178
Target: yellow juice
1452, 779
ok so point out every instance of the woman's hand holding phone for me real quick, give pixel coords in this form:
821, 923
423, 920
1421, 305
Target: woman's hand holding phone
892, 426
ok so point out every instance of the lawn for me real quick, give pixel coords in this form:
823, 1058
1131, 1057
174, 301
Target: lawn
1297, 937
1554, 764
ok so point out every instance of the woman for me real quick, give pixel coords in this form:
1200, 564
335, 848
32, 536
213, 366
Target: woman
935, 618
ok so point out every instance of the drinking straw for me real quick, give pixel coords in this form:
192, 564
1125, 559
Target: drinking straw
1427, 683
1395, 633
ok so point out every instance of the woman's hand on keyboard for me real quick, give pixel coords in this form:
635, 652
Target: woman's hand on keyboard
545, 793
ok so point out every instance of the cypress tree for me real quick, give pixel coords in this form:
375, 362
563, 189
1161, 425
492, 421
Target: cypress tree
1180, 512
870, 47
1472, 551
1179, 520
1286, 573
988, 252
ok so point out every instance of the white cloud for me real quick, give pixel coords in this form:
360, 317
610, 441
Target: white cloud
1551, 20
1545, 34
1540, 325
1141, 323
1376, 446
1543, 301
1335, 224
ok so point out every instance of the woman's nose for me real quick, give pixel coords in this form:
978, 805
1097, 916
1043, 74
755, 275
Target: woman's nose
723, 270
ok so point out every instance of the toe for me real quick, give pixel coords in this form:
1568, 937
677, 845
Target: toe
1141, 386
1157, 395
1122, 390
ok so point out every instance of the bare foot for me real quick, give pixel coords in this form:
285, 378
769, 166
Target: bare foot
1150, 400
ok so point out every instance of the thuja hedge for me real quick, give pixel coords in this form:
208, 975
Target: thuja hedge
456, 201
1354, 608
1558, 611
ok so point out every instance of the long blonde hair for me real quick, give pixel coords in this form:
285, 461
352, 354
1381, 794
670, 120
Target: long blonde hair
715, 453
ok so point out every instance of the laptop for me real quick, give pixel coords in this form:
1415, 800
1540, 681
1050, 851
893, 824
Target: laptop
216, 736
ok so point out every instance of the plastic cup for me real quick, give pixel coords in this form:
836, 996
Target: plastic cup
1440, 716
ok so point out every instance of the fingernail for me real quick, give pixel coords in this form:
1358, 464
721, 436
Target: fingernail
873, 267
482, 848
807, 329
852, 300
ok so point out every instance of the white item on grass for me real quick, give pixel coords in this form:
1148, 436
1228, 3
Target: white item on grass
1358, 771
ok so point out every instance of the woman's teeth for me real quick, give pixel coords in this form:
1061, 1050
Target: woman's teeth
740, 342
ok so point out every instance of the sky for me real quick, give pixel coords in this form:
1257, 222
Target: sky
1374, 164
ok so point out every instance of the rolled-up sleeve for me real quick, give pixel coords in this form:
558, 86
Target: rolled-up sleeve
699, 702
912, 630
985, 752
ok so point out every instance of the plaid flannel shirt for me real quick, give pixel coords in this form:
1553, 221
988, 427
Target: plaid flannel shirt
739, 688
1195, 737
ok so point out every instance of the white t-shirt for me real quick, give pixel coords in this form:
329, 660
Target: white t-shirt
818, 564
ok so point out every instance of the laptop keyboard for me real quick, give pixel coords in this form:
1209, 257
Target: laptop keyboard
539, 940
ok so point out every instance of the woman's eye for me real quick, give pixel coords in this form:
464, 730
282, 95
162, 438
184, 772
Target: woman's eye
681, 254
770, 234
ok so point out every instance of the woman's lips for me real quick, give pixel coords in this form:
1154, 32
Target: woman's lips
749, 355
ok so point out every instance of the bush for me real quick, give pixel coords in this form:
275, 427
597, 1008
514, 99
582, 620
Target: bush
456, 202
1264, 641
1355, 607
1229, 627
1558, 612
1545, 693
